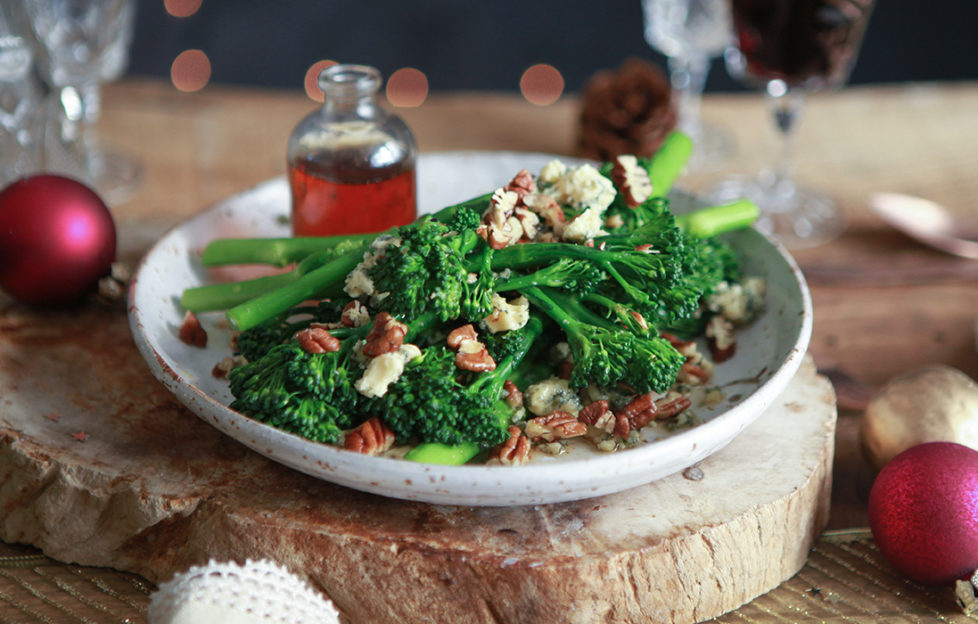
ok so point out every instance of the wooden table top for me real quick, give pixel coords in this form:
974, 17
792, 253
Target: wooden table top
884, 305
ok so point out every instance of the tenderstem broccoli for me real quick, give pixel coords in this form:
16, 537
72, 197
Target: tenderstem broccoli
310, 394
455, 420
431, 402
606, 354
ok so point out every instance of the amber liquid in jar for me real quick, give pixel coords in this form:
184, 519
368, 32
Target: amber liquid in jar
336, 195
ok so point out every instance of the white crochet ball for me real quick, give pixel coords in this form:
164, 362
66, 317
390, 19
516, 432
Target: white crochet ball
259, 592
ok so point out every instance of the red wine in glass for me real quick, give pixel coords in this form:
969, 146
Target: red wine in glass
792, 47
809, 43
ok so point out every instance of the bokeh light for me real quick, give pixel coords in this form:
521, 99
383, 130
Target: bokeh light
181, 8
190, 71
542, 84
407, 87
312, 79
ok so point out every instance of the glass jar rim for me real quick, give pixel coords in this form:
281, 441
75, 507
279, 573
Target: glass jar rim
345, 79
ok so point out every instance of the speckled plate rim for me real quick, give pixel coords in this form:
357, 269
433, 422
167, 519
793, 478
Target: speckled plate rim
769, 354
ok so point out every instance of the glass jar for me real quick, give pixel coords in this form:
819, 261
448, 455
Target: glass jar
351, 164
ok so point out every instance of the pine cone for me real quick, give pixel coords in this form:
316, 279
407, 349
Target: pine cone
626, 111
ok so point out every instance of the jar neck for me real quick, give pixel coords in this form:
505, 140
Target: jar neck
350, 90
364, 106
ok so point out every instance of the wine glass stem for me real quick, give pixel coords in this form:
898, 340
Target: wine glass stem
688, 77
785, 105
81, 107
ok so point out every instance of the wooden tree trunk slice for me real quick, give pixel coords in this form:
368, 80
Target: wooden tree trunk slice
99, 465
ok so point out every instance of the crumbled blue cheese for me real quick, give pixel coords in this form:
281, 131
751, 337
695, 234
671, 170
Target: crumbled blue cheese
356, 315
583, 187
551, 395
738, 303
561, 352
507, 315
585, 226
384, 370
552, 171
358, 283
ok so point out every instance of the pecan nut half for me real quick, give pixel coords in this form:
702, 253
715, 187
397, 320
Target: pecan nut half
669, 407
509, 233
317, 340
512, 395
191, 331
385, 336
598, 414
636, 414
473, 356
557, 425
459, 335
372, 437
522, 183
720, 339
513, 452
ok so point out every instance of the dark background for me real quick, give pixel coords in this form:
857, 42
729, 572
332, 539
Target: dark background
462, 45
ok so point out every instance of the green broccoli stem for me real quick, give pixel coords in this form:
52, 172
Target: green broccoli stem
282, 252
566, 311
714, 220
537, 254
668, 162
490, 383
279, 252
227, 295
443, 454
324, 281
624, 316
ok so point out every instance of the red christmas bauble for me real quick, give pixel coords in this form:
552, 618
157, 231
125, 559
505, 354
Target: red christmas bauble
923, 512
57, 239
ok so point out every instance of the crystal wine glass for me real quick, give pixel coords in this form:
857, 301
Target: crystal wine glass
81, 44
20, 96
791, 49
691, 33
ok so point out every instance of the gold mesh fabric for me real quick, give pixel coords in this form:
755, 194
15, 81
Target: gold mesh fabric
36, 589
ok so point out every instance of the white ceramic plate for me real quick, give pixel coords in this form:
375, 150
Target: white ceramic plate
768, 355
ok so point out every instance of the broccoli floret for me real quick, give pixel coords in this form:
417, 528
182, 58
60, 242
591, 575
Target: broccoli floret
309, 394
502, 344
573, 275
464, 218
606, 354
478, 292
644, 268
432, 402
427, 271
